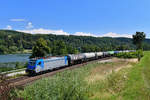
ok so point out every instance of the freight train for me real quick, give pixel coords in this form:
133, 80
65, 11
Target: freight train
37, 65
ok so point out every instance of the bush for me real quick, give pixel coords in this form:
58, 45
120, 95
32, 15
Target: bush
12, 66
130, 54
3, 69
13, 49
19, 65
3, 49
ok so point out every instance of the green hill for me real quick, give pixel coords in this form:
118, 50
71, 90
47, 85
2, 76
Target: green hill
13, 41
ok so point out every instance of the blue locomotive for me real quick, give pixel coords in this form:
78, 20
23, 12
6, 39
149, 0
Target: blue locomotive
44, 64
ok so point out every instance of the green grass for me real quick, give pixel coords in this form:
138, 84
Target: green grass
138, 83
145, 63
127, 84
67, 85
4, 69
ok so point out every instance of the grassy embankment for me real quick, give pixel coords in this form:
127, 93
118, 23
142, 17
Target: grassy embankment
12, 66
117, 80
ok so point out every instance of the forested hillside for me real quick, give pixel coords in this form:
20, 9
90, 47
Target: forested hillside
13, 41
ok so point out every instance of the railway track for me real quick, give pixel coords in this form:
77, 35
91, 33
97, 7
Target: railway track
26, 80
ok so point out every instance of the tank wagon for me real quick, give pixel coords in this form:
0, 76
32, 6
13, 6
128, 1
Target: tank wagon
99, 55
37, 65
75, 59
89, 56
105, 54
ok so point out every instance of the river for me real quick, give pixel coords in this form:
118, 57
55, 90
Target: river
10, 60
14, 58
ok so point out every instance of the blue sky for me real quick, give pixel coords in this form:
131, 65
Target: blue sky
91, 17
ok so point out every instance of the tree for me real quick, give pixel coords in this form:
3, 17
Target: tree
138, 38
122, 47
59, 48
12, 49
3, 49
40, 49
72, 50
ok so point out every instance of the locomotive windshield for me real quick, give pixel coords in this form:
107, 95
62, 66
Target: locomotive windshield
32, 63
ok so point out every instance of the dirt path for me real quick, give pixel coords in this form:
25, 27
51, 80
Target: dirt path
103, 70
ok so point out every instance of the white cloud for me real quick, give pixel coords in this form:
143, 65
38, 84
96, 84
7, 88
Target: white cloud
111, 34
29, 25
8, 27
61, 32
45, 31
84, 34
17, 20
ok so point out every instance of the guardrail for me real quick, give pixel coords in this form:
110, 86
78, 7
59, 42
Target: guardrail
12, 71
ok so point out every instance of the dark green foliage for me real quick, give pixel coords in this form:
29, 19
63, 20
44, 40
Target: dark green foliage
59, 48
3, 69
122, 47
25, 65
3, 49
13, 49
40, 49
72, 50
90, 48
12, 66
19, 65
138, 39
130, 54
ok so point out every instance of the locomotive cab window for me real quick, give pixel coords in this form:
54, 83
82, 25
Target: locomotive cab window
39, 63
